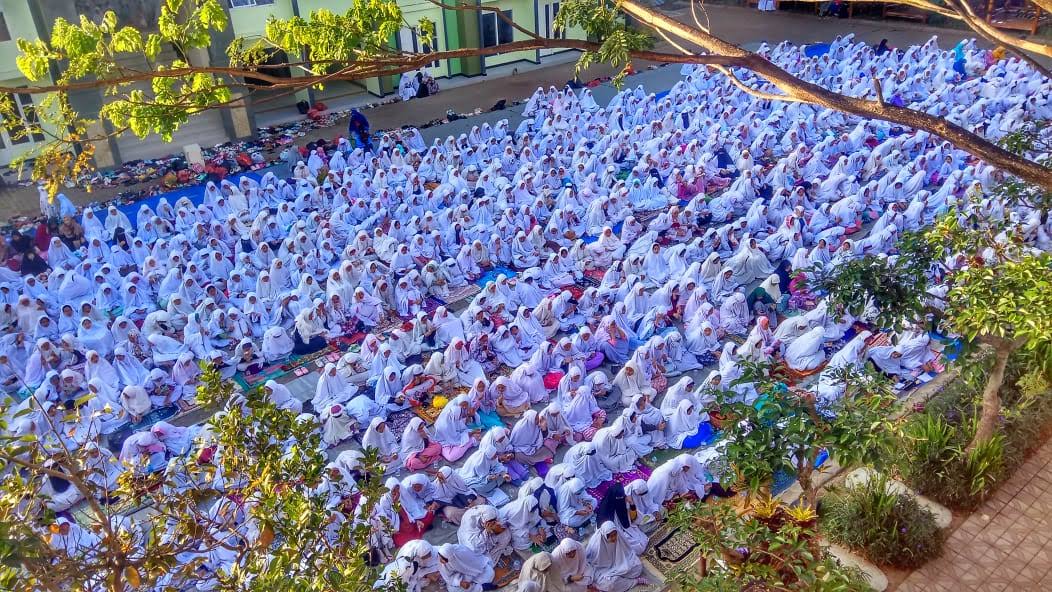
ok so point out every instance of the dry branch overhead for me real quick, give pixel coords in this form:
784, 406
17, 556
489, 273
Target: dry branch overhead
794, 87
609, 39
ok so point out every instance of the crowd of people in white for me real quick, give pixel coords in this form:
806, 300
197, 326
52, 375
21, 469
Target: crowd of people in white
722, 201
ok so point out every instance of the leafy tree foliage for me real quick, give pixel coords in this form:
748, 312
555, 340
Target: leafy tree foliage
785, 430
158, 530
767, 547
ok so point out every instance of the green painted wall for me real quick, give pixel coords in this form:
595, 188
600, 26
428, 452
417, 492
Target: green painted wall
251, 21
522, 12
19, 24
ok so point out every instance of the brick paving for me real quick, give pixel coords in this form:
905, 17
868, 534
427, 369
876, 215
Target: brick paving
1004, 545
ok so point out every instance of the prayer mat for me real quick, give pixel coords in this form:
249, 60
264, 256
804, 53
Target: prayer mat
397, 421
431, 304
641, 471
735, 338
671, 550
277, 371
390, 324
458, 294
355, 339
551, 380
507, 570
348, 342
116, 439
596, 275
427, 413
251, 381
659, 383
644, 218
573, 289
590, 282
796, 376
878, 340
491, 275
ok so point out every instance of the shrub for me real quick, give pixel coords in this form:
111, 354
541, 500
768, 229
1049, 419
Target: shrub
769, 547
887, 528
931, 454
935, 464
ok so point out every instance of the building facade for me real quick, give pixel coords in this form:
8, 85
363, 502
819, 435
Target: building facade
455, 29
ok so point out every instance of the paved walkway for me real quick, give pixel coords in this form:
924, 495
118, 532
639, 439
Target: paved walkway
1005, 545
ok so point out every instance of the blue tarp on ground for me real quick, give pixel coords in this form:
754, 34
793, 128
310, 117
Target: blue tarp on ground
196, 193
491, 275
816, 49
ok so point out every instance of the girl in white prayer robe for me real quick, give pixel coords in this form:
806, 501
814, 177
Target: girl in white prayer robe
911, 353
337, 425
655, 268
332, 388
463, 569
277, 345
572, 571
616, 567
612, 448
676, 477
387, 393
830, 388
750, 263
683, 423
482, 531
575, 504
524, 521
631, 381
448, 327
380, 437
467, 369
584, 463
805, 353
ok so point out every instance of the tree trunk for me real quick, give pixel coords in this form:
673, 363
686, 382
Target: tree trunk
804, 475
992, 396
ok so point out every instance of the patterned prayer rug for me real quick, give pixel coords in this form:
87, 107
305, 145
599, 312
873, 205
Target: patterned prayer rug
397, 421
507, 570
389, 324
458, 294
116, 438
431, 304
427, 413
671, 550
641, 471
796, 376
574, 290
595, 275
590, 282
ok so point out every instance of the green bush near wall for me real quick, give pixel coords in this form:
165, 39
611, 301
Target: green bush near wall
931, 455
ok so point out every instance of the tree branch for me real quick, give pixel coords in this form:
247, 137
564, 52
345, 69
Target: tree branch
791, 85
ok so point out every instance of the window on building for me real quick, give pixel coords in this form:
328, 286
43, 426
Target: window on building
5, 35
27, 113
409, 40
550, 11
244, 3
497, 31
